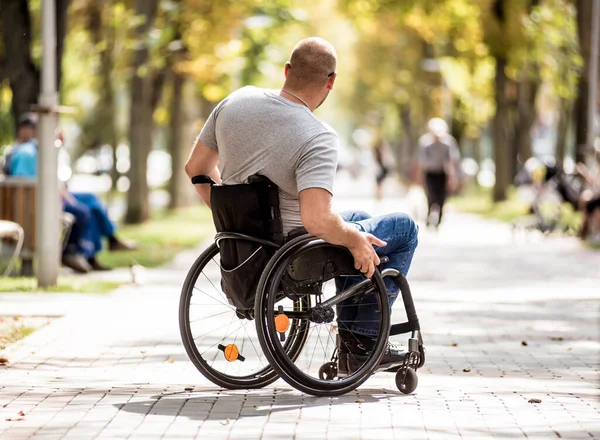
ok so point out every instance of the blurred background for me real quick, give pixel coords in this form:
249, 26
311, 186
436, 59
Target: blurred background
510, 77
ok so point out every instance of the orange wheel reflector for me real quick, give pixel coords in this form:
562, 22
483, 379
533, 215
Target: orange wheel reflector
231, 352
282, 323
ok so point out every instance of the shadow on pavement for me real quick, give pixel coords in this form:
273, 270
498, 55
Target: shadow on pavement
218, 404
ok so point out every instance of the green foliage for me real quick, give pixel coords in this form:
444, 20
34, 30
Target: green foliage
551, 49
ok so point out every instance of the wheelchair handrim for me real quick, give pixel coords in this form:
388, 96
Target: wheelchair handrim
272, 348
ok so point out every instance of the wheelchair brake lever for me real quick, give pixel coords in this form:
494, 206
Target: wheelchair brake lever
383, 260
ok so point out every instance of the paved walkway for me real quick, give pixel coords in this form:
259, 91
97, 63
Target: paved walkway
506, 320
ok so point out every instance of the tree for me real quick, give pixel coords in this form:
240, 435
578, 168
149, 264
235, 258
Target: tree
141, 114
18, 65
584, 30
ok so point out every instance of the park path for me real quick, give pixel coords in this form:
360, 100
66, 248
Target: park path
505, 320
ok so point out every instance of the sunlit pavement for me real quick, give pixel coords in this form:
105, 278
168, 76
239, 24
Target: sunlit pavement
505, 318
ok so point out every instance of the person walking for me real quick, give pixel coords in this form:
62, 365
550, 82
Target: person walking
437, 167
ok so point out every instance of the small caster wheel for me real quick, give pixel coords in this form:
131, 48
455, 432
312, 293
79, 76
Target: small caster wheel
422, 356
328, 371
410, 382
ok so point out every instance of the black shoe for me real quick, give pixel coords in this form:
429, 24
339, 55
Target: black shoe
394, 356
95, 265
76, 262
358, 350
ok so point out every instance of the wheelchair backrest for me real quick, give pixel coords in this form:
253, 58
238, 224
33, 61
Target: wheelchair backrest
250, 209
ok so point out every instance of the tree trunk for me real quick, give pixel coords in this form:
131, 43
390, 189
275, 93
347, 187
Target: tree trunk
102, 30
500, 125
584, 30
141, 112
22, 74
564, 116
62, 7
407, 153
526, 113
175, 145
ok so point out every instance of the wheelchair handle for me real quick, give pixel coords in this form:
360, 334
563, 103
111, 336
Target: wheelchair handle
203, 179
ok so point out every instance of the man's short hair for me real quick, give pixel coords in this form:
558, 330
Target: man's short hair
312, 62
27, 120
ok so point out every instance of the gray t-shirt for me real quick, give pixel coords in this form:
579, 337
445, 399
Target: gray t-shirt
256, 131
434, 155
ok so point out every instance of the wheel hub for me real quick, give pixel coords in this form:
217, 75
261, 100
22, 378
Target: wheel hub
321, 315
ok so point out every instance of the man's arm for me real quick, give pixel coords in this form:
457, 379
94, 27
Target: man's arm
319, 220
203, 161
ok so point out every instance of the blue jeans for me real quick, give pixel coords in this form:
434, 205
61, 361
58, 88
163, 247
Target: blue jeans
98, 225
400, 233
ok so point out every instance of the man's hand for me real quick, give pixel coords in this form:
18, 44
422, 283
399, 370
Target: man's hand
365, 258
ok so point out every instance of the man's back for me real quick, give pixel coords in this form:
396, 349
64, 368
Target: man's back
437, 153
256, 131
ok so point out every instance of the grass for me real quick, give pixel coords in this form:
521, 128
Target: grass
64, 285
162, 237
14, 334
478, 200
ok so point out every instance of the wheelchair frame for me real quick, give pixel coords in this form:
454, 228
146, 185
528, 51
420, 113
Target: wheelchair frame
283, 366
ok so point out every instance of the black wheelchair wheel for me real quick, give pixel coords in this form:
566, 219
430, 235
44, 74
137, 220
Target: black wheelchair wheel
221, 342
304, 373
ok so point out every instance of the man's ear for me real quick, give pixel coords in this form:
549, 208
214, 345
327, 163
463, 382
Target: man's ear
286, 70
331, 81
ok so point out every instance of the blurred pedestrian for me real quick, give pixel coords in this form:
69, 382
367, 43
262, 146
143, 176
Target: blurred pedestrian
379, 151
437, 167
590, 202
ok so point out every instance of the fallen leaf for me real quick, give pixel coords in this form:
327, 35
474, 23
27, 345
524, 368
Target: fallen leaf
558, 338
21, 413
189, 388
143, 351
18, 419
359, 401
535, 400
455, 344
171, 361
524, 343
467, 370
225, 422
3, 361
5, 405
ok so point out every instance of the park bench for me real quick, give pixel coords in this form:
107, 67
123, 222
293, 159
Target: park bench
18, 205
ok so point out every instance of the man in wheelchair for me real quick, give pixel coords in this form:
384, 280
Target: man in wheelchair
275, 134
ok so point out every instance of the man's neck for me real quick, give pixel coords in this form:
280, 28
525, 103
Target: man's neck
301, 98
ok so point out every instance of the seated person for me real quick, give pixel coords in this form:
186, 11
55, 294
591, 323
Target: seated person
590, 203
91, 219
275, 134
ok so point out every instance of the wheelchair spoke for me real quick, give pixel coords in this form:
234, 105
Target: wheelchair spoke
216, 299
258, 353
210, 316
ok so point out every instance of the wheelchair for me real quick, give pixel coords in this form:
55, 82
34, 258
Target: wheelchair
256, 306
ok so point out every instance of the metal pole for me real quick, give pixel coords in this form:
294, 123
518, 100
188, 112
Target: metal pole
593, 82
48, 199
